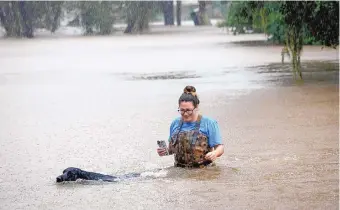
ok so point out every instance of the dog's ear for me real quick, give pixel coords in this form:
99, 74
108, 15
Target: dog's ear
66, 169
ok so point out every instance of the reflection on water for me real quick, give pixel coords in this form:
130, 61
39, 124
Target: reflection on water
306, 67
101, 103
207, 174
312, 72
165, 76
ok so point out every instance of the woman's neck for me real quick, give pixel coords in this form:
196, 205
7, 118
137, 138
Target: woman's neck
194, 119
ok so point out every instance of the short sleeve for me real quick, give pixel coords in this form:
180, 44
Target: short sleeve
172, 128
214, 133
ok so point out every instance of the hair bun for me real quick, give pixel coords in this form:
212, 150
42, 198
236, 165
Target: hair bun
190, 90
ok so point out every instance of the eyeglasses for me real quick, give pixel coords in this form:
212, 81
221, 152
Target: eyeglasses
183, 111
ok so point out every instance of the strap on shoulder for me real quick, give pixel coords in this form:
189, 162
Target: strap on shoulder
197, 130
177, 132
198, 122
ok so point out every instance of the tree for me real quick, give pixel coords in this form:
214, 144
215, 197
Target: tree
97, 16
294, 18
178, 12
16, 18
292, 23
324, 23
319, 17
138, 15
240, 15
20, 18
168, 11
203, 18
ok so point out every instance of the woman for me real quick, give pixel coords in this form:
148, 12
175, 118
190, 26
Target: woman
194, 140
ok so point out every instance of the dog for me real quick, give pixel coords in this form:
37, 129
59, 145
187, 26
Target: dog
73, 174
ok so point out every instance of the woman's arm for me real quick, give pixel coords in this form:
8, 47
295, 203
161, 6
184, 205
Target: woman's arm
219, 150
215, 140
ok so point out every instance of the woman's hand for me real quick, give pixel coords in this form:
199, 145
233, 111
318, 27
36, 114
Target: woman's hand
161, 151
211, 156
217, 152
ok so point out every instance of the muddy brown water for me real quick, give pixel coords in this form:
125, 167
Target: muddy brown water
101, 103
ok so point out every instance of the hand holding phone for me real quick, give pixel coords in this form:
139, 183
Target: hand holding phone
163, 149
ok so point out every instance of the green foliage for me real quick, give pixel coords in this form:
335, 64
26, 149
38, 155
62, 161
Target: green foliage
47, 14
138, 14
240, 16
318, 20
292, 23
20, 18
276, 27
324, 23
15, 17
97, 16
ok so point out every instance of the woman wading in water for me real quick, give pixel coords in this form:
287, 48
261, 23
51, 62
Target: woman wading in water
195, 140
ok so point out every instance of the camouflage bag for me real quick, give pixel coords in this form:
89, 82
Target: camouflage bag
190, 147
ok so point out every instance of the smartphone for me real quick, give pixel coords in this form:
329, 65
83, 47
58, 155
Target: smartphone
162, 144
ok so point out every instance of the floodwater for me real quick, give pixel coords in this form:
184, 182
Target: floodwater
101, 103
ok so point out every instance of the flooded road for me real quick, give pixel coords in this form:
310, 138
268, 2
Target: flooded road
101, 103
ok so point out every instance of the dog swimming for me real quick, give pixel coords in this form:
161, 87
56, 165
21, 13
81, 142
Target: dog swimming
73, 174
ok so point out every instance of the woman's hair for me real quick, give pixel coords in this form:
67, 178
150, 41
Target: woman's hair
189, 94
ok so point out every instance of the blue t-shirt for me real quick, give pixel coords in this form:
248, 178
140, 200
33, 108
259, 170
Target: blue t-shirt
208, 126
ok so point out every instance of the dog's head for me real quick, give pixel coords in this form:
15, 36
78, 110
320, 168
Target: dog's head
69, 174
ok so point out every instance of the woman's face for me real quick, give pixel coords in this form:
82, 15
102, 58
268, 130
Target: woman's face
187, 111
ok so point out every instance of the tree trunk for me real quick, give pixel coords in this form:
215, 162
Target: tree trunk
168, 11
16, 19
87, 14
178, 12
106, 20
203, 18
294, 42
138, 16
130, 24
4, 17
13, 19
26, 19
56, 17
